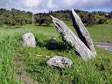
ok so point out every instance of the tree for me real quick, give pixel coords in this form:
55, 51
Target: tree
101, 13
47, 20
2, 10
43, 19
91, 20
110, 15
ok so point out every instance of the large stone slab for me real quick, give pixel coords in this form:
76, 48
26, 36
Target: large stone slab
59, 61
69, 36
29, 40
82, 32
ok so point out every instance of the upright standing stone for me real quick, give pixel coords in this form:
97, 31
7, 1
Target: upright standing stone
82, 32
69, 36
29, 40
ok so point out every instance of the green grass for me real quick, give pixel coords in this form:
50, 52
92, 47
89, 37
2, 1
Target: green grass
101, 33
8, 46
95, 71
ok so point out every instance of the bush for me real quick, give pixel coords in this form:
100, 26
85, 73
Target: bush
68, 45
91, 20
10, 21
41, 21
44, 20
102, 21
47, 20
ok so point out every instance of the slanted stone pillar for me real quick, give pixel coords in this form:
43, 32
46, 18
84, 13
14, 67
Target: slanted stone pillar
69, 36
82, 32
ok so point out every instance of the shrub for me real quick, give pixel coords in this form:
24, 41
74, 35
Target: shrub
65, 43
91, 20
44, 20
102, 21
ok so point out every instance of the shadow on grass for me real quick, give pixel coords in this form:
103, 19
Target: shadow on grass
13, 27
54, 45
44, 25
41, 67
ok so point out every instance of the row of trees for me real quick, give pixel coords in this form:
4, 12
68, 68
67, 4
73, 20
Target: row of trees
89, 18
17, 17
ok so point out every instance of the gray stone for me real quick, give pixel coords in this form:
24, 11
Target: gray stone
69, 36
61, 62
82, 32
52, 39
29, 40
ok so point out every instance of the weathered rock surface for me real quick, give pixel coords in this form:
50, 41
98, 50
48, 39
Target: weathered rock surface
82, 32
29, 40
69, 36
61, 62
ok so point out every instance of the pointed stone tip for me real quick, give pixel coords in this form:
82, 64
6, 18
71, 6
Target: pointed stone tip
72, 9
73, 12
51, 16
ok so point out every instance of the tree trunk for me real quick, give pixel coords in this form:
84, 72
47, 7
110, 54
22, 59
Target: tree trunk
69, 36
82, 32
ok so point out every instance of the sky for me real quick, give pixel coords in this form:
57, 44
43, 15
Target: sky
38, 6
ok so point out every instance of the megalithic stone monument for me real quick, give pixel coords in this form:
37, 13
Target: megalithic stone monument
82, 32
69, 36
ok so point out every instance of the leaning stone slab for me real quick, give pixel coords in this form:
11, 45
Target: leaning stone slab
82, 32
69, 36
29, 40
59, 61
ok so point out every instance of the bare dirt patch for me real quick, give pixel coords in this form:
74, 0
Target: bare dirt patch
22, 74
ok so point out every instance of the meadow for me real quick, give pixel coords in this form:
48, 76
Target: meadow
95, 71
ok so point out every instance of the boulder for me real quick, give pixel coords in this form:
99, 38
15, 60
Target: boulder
59, 61
29, 40
82, 32
69, 36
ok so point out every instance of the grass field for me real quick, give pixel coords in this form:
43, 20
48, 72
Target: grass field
95, 71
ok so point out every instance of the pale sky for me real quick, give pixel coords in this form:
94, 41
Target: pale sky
47, 5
